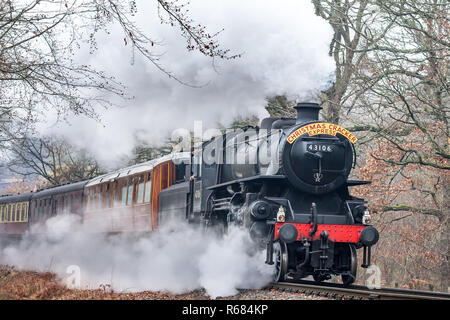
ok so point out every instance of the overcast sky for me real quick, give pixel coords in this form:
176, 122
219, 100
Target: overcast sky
285, 51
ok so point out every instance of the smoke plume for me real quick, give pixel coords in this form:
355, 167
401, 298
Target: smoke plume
176, 258
284, 48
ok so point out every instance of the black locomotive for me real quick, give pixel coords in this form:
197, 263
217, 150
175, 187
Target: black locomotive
287, 183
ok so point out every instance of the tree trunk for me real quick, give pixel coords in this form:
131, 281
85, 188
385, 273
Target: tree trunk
445, 238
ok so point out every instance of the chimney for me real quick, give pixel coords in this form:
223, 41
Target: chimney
307, 112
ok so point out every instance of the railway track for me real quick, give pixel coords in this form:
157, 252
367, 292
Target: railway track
336, 291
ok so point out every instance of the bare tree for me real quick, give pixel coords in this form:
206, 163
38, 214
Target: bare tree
352, 22
404, 91
53, 159
37, 42
392, 81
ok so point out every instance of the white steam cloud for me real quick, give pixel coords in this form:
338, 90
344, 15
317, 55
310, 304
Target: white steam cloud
285, 51
176, 258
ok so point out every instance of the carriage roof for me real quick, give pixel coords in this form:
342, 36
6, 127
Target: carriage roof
138, 168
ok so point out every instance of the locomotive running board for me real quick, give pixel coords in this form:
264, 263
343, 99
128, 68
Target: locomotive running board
259, 178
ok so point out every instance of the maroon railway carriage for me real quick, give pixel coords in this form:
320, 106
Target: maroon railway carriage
125, 200
60, 200
14, 211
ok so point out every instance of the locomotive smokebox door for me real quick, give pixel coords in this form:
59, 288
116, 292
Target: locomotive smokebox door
319, 161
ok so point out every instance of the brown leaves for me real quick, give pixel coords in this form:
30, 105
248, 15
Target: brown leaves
19, 285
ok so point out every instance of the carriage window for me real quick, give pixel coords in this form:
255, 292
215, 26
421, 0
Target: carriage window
140, 197
92, 199
130, 195
18, 210
148, 189
25, 210
100, 197
13, 212
69, 203
108, 196
124, 195
22, 213
116, 192
63, 205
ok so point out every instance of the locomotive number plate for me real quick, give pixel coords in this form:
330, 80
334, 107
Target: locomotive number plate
320, 147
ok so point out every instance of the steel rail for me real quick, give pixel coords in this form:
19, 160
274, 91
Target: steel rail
336, 291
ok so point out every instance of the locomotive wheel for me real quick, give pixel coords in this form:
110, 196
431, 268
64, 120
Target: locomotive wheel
281, 261
348, 279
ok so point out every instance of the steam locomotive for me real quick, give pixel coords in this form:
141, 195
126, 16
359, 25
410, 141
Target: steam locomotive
286, 182
289, 188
